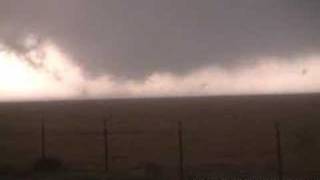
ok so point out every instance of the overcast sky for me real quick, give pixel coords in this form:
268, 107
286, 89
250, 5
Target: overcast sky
132, 39
137, 37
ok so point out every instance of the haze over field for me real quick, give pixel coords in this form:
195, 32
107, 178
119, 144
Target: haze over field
103, 49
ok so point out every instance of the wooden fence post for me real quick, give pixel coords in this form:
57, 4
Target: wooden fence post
181, 151
279, 150
43, 139
106, 142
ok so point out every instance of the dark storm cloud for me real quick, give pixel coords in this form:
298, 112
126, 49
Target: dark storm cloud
137, 37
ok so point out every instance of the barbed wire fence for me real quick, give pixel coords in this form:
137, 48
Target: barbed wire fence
180, 144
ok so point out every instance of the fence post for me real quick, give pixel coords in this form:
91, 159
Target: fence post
106, 142
43, 139
279, 151
181, 151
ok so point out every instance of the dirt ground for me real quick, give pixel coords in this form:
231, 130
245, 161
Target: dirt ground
234, 133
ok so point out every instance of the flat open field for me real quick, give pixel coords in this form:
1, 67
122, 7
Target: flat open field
228, 132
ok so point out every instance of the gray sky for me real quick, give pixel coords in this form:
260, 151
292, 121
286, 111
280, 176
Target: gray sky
133, 38
58, 49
